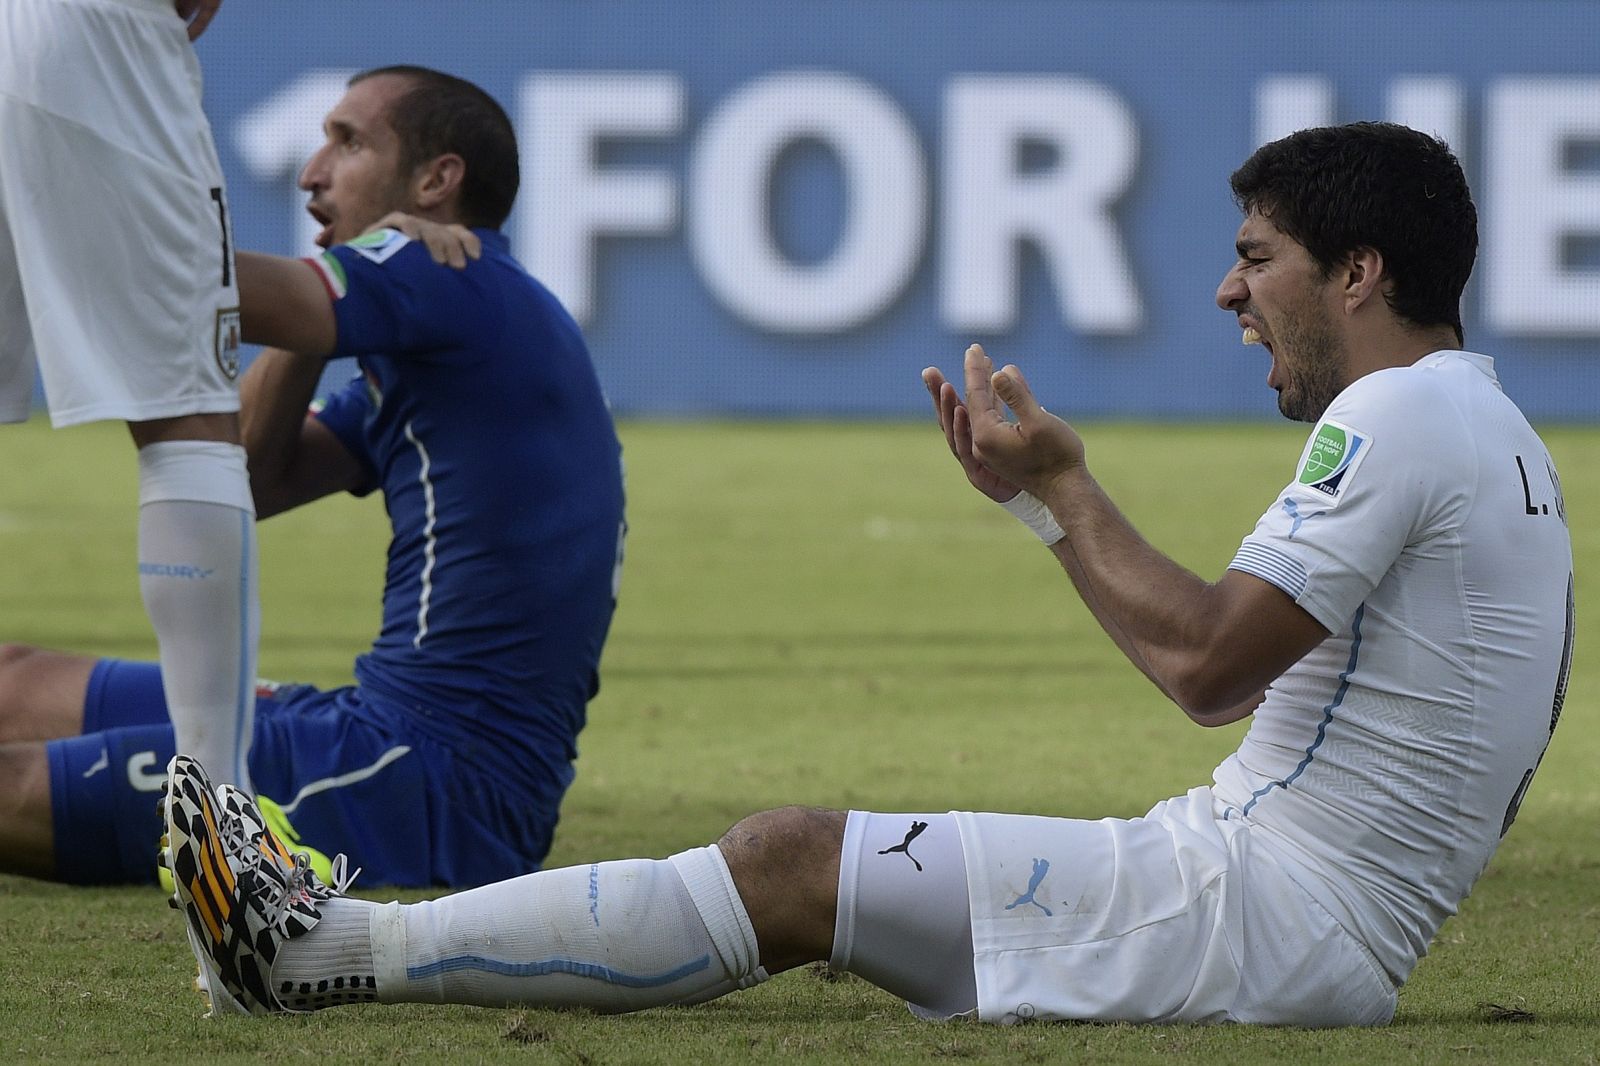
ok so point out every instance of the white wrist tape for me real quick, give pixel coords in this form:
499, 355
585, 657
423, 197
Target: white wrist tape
1032, 512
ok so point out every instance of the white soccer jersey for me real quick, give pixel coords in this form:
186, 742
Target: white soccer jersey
1425, 530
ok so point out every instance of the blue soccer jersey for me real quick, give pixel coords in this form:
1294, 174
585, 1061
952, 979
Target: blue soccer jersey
479, 415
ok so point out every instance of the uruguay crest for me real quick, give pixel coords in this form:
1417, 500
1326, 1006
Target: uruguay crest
229, 341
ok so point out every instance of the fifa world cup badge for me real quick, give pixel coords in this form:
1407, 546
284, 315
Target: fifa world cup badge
228, 341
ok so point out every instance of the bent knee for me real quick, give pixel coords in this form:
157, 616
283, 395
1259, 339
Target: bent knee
787, 837
41, 693
24, 778
785, 866
12, 654
16, 667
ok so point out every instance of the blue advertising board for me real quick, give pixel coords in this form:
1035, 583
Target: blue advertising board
790, 208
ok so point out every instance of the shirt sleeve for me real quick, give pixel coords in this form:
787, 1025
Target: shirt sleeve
1388, 467
391, 299
345, 413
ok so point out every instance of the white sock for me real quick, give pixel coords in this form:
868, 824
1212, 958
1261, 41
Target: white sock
614, 936
333, 963
197, 574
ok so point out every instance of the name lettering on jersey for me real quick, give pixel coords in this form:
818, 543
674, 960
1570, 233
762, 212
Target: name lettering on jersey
1331, 458
379, 244
1534, 499
229, 340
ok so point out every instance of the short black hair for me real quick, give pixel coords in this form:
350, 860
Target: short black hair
439, 114
1373, 185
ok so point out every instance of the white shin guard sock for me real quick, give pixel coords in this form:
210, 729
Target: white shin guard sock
197, 574
613, 937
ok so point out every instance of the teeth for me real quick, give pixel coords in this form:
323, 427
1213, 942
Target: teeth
1251, 335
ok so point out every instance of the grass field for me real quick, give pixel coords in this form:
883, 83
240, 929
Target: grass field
817, 614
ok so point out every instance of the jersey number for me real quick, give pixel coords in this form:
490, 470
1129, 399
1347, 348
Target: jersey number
1555, 715
222, 219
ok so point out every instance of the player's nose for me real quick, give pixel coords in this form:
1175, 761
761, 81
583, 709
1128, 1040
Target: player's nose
1232, 291
313, 175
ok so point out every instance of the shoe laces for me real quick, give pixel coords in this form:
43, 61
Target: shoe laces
283, 885
283, 893
300, 884
343, 876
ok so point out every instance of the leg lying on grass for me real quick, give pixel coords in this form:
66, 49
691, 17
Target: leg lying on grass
26, 844
612, 936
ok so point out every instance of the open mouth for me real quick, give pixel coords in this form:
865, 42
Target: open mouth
1251, 334
324, 237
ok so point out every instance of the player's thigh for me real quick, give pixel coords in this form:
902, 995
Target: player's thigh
1298, 965
104, 790
127, 284
1172, 917
406, 810
1109, 920
904, 920
41, 693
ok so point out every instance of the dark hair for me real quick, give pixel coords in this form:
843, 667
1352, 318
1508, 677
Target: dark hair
440, 114
1373, 185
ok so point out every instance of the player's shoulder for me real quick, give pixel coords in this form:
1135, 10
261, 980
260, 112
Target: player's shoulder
1423, 399
1411, 420
380, 246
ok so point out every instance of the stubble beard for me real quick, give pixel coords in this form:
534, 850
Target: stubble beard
1316, 376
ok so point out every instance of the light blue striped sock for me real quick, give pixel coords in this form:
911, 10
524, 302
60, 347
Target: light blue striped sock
197, 576
612, 936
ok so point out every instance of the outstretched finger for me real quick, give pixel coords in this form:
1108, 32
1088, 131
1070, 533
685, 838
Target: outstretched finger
946, 402
933, 381
961, 439
982, 406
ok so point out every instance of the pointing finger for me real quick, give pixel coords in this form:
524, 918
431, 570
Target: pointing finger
981, 403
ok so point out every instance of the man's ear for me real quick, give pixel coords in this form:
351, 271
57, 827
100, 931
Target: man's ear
1362, 274
438, 182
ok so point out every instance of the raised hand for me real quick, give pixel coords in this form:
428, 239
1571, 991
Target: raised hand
1030, 452
953, 419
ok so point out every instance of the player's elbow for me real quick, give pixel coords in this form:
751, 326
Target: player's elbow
1211, 691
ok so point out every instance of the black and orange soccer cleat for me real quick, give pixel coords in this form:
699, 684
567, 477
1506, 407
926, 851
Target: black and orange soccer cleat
242, 892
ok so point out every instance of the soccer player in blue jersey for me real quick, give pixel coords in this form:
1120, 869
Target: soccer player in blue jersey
478, 414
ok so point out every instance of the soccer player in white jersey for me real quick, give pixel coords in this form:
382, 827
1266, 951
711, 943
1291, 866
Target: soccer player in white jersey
1399, 623
117, 275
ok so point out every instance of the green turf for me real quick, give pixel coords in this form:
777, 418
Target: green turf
815, 614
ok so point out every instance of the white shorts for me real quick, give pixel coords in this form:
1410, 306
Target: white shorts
116, 258
1173, 917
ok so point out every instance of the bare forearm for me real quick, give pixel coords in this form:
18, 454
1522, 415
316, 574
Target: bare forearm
1156, 611
273, 398
1212, 648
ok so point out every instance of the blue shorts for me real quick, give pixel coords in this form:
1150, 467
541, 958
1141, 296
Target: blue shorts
349, 775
